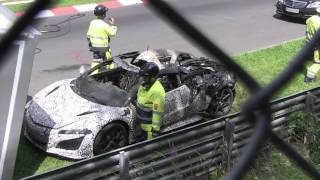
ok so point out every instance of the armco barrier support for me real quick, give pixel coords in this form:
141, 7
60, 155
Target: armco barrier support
124, 166
228, 137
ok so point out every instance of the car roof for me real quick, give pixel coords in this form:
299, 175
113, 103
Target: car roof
161, 56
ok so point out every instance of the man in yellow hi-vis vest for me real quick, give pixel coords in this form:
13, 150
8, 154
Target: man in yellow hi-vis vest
150, 100
99, 34
313, 24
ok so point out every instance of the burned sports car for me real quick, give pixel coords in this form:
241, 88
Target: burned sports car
89, 115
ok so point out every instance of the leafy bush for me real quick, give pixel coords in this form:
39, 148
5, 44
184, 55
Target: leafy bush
304, 127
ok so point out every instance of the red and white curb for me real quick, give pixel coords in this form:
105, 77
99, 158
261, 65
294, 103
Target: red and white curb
83, 8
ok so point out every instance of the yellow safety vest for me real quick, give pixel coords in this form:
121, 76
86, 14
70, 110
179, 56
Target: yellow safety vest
150, 104
313, 24
99, 33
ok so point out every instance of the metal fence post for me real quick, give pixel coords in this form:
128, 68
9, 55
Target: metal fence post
310, 102
228, 137
124, 166
311, 106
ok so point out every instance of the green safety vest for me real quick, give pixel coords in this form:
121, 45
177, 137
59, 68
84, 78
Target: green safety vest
313, 24
150, 105
99, 33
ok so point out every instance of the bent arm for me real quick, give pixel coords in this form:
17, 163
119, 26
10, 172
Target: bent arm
111, 30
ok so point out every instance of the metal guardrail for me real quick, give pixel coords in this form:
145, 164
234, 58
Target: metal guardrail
193, 151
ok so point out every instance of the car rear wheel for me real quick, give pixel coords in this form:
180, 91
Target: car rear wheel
220, 104
112, 136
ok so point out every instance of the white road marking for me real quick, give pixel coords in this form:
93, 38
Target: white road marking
130, 2
45, 13
85, 7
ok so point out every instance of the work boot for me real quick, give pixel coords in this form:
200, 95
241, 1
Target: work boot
309, 79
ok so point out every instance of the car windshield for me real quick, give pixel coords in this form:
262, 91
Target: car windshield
103, 87
105, 93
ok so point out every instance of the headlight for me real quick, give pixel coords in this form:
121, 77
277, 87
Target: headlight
280, 1
75, 131
314, 5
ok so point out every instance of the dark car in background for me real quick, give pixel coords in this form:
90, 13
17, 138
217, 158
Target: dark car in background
297, 8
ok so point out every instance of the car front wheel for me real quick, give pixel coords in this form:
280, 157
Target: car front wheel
220, 104
112, 136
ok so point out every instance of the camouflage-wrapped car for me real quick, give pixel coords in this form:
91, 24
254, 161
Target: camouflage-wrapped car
79, 118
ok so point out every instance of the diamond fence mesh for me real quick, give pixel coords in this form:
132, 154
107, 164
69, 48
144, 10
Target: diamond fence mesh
257, 103
256, 111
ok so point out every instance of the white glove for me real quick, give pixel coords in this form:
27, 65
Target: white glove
111, 20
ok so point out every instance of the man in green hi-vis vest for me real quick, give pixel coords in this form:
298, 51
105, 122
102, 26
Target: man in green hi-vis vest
98, 35
150, 100
313, 24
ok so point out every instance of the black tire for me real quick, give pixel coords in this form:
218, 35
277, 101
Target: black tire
279, 16
112, 136
221, 103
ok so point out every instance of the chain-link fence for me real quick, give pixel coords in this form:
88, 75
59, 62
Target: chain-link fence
256, 109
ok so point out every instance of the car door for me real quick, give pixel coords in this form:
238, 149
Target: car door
176, 102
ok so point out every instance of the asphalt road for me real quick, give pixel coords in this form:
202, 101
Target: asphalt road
237, 26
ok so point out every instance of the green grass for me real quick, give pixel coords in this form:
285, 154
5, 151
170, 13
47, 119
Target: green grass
61, 3
264, 65
274, 165
31, 160
283, 168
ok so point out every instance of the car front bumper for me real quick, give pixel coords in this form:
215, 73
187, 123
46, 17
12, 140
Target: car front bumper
294, 12
56, 142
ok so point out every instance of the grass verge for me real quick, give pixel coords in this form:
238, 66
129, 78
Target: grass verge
264, 65
274, 165
30, 160
61, 3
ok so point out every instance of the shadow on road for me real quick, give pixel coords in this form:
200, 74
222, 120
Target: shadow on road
290, 19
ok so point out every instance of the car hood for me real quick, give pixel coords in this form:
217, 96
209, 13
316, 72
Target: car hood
57, 105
